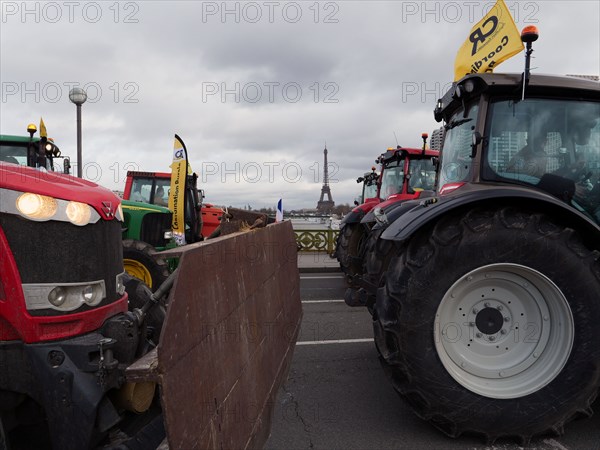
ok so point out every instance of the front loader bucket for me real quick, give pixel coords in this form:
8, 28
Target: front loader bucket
226, 346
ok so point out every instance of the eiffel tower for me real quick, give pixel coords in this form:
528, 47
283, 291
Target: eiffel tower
325, 206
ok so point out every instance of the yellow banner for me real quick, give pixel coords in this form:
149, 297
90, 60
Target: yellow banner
494, 39
43, 132
177, 192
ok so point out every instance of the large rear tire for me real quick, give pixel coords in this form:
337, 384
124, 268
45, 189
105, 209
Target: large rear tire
140, 262
4, 444
348, 251
377, 255
488, 324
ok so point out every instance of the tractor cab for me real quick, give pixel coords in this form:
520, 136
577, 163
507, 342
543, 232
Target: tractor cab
370, 187
407, 171
37, 152
154, 188
549, 141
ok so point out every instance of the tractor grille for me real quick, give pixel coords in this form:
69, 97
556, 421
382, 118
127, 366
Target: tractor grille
59, 252
153, 229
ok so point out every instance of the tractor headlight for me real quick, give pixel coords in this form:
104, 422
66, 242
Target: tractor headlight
469, 86
36, 207
57, 296
92, 294
79, 213
64, 297
42, 207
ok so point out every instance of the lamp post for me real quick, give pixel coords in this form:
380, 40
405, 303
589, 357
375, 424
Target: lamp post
78, 96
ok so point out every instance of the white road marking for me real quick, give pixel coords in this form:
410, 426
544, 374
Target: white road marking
336, 341
555, 444
323, 301
337, 277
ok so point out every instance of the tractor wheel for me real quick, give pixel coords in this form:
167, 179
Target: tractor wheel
348, 250
140, 263
4, 444
488, 324
377, 255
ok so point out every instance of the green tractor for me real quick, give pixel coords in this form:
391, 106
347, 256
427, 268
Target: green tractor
148, 224
40, 152
147, 230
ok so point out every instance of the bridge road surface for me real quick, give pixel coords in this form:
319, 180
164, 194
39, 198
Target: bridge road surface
337, 396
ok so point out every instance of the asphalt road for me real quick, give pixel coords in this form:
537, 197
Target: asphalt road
337, 396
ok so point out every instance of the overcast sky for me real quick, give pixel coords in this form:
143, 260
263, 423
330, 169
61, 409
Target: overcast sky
255, 89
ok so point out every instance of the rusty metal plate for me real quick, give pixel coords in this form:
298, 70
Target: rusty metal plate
232, 322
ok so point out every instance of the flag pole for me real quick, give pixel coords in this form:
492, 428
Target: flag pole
529, 35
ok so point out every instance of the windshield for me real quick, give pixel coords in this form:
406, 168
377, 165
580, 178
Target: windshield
456, 155
422, 175
551, 144
16, 154
151, 190
370, 189
393, 177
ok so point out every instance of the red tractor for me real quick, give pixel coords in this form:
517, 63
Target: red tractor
405, 174
65, 330
80, 340
370, 188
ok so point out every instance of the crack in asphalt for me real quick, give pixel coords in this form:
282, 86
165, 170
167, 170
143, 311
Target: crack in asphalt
305, 424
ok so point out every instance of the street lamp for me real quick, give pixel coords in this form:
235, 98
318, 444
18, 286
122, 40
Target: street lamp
78, 96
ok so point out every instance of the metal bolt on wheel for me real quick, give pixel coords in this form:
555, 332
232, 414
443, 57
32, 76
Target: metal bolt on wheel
523, 333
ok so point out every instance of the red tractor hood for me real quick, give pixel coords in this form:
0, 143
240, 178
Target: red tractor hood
60, 186
367, 205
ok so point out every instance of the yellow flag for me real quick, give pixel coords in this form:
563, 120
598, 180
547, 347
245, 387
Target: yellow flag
177, 191
494, 39
43, 132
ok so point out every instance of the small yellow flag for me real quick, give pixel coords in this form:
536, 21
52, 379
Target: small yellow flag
494, 39
177, 191
43, 132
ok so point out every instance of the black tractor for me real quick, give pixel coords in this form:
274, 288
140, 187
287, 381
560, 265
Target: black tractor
487, 321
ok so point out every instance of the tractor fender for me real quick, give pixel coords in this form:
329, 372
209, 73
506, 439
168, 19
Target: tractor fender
392, 210
353, 216
358, 212
415, 215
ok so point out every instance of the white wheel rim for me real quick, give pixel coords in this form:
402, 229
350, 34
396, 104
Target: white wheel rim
504, 331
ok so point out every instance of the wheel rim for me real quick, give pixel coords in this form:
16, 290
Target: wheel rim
504, 331
138, 270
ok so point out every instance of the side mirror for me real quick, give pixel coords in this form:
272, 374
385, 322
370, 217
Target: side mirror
67, 166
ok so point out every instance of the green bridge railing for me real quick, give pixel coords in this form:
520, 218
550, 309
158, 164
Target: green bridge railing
316, 240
